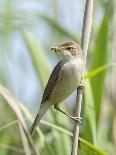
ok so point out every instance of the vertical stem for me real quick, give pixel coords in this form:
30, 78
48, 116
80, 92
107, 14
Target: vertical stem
111, 87
76, 126
87, 22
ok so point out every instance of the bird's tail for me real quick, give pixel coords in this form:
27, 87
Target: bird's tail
43, 108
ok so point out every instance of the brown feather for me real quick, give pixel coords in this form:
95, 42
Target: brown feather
52, 81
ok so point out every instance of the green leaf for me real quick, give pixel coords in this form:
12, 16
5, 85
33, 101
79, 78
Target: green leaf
12, 102
98, 70
55, 127
55, 25
89, 129
64, 131
4, 139
38, 56
100, 58
89, 148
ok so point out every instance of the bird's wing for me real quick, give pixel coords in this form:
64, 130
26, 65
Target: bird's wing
52, 81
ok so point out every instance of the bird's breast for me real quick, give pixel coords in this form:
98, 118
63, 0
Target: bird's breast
68, 80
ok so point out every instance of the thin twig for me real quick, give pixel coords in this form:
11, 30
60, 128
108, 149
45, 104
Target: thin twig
87, 22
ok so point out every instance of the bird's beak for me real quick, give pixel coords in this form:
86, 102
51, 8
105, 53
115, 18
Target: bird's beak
56, 49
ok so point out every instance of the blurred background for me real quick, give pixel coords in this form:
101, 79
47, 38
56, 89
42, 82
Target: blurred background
28, 29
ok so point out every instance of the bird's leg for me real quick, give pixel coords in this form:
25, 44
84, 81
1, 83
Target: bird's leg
77, 119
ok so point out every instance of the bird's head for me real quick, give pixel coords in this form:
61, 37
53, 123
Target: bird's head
69, 49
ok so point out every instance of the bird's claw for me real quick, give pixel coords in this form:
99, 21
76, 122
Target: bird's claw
82, 87
77, 120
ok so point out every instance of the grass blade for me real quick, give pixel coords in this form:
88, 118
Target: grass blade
24, 140
101, 58
13, 103
55, 25
89, 131
38, 56
66, 132
98, 70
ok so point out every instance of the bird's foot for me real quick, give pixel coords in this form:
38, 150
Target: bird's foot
77, 119
81, 86
74, 118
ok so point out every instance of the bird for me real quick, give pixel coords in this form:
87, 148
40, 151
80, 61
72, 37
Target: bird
65, 78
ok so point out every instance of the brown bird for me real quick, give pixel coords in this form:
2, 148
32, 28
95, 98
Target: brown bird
64, 79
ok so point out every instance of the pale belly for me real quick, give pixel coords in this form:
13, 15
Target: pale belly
69, 79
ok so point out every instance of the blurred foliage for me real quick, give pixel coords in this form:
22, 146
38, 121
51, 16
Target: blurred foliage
31, 28
101, 58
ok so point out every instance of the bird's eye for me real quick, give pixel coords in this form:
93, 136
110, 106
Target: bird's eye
68, 48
